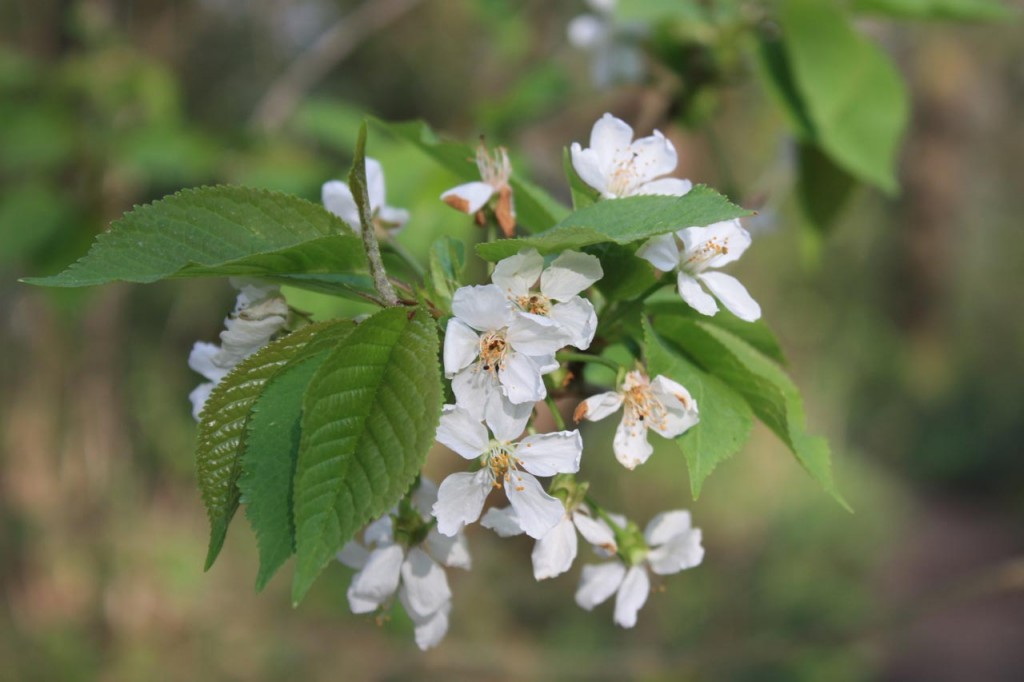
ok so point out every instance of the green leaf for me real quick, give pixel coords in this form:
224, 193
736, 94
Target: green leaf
221, 230
355, 287
654, 11
223, 419
854, 96
369, 418
823, 188
756, 333
725, 418
583, 195
625, 276
272, 439
766, 388
622, 221
535, 209
447, 264
952, 10
775, 72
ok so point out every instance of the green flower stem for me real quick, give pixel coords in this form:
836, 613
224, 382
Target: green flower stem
602, 514
555, 413
631, 546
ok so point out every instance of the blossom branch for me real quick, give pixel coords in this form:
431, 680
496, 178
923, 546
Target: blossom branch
337, 43
358, 187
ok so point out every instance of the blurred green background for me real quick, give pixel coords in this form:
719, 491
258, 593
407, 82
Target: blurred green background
903, 327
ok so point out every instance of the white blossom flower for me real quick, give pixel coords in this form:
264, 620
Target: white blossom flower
617, 166
260, 313
615, 56
560, 285
511, 466
554, 553
496, 357
673, 545
414, 571
662, 405
471, 197
338, 199
705, 247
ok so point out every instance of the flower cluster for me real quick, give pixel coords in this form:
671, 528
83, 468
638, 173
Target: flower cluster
404, 553
503, 342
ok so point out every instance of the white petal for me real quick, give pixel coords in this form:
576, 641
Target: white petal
520, 379
666, 525
630, 444
242, 337
378, 579
482, 307
252, 291
535, 334
450, 551
203, 359
468, 198
537, 511
431, 630
669, 187
597, 407
588, 166
595, 531
694, 296
337, 198
502, 521
460, 499
375, 184
598, 582
359, 604
461, 346
546, 364
517, 274
461, 432
569, 274
728, 234
424, 497
662, 252
578, 320
392, 217
586, 31
681, 552
732, 294
548, 454
609, 137
199, 395
636, 587
653, 156
505, 419
425, 584
473, 390
353, 555
680, 407
380, 532
554, 553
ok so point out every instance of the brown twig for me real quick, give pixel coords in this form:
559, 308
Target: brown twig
337, 43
